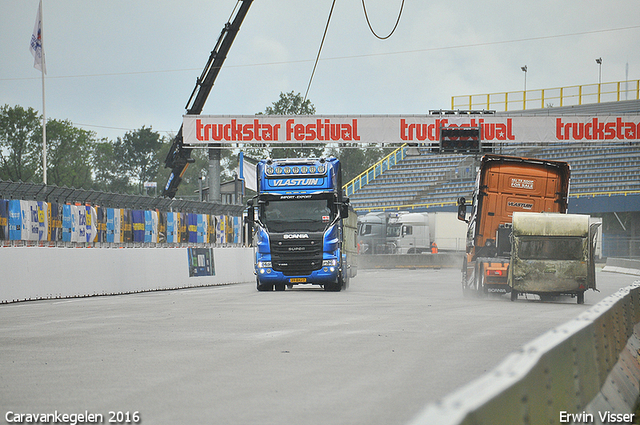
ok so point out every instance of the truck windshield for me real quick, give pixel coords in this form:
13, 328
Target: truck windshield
310, 215
393, 231
551, 248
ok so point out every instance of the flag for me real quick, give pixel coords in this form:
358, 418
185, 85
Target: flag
36, 43
247, 172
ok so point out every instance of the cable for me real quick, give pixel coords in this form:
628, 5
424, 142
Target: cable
394, 27
318, 56
402, 52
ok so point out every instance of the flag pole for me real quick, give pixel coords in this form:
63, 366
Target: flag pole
44, 136
44, 112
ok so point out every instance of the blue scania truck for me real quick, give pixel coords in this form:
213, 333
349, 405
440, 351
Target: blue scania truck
301, 225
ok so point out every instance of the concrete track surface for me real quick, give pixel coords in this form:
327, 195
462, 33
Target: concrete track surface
374, 354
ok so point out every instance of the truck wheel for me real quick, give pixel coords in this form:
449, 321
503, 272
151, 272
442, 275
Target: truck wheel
478, 278
580, 297
264, 287
465, 290
334, 286
345, 281
514, 294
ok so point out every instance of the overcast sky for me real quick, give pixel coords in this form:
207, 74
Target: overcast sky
115, 66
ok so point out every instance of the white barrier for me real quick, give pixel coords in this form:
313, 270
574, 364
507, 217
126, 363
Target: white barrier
30, 273
587, 366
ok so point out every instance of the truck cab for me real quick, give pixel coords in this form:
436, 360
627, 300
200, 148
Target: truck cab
409, 232
300, 223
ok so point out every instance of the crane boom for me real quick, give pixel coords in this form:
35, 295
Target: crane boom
179, 158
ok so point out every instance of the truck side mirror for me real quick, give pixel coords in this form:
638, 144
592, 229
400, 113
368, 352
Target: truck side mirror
250, 217
344, 208
462, 210
248, 224
344, 211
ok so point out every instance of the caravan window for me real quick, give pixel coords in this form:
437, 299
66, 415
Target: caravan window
551, 248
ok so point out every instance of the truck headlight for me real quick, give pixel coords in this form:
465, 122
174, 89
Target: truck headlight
332, 262
264, 264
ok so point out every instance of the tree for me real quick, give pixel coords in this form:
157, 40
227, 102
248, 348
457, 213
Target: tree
108, 175
291, 104
18, 143
136, 157
69, 154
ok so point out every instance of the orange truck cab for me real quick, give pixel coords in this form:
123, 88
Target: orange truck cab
504, 185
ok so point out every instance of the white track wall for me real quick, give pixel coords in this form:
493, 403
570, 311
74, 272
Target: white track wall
30, 273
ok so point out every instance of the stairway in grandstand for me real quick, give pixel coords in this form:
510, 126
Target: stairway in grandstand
436, 180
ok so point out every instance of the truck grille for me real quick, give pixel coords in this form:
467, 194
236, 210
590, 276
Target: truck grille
296, 256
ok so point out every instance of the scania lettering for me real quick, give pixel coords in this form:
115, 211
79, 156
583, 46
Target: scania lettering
301, 227
294, 236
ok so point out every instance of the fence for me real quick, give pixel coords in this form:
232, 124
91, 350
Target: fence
62, 195
544, 98
375, 170
40, 215
621, 246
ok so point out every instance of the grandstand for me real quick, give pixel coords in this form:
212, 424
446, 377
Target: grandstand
432, 180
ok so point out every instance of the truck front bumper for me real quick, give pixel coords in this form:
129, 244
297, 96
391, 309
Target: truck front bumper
326, 275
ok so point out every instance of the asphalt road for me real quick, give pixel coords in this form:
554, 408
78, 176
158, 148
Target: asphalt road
374, 354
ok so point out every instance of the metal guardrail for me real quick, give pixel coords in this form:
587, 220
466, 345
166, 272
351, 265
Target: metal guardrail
587, 365
41, 192
543, 98
375, 170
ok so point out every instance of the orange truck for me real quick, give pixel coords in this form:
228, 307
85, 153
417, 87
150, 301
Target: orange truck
504, 185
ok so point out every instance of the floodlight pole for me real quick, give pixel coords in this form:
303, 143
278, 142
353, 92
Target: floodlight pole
599, 62
524, 93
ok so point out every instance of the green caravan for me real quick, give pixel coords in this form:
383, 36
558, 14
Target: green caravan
552, 254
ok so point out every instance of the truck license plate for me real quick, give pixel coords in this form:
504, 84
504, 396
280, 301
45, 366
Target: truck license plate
297, 280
